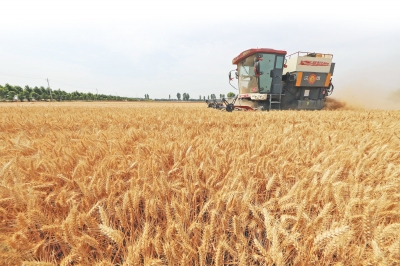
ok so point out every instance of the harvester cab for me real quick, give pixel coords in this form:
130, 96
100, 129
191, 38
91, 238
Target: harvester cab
269, 79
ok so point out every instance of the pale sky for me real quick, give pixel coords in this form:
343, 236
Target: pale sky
132, 48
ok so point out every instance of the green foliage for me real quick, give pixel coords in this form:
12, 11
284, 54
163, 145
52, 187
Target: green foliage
186, 96
35, 96
231, 94
10, 95
7, 93
3, 93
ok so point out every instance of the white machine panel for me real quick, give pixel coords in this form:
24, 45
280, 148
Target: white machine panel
308, 64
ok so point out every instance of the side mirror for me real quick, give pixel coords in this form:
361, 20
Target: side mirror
257, 69
230, 75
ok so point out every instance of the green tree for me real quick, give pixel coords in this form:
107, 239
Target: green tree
90, 96
10, 95
37, 90
178, 95
26, 95
28, 89
43, 90
231, 94
18, 89
8, 87
44, 96
185, 96
20, 97
3, 93
35, 96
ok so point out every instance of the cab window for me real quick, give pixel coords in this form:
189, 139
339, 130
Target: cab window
279, 62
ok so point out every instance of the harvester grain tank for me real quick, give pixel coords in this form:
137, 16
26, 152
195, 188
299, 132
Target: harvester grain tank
270, 79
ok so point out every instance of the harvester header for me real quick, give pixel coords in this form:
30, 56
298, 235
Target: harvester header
269, 79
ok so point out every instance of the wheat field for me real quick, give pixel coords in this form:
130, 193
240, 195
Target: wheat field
180, 184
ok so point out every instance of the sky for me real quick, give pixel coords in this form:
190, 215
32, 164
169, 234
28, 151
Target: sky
160, 48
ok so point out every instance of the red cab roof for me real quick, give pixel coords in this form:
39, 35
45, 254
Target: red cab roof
252, 51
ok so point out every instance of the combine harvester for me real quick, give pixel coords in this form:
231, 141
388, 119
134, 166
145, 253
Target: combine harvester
269, 79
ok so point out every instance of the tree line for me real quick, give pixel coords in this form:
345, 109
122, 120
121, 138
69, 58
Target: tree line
17, 93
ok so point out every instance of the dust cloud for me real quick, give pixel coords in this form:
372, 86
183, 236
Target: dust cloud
395, 96
364, 97
333, 104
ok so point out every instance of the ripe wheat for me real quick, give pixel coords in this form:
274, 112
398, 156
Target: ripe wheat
167, 184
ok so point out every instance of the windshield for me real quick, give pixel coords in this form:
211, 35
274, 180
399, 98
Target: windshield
247, 80
249, 83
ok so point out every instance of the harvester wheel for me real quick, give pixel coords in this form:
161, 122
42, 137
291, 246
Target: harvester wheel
230, 107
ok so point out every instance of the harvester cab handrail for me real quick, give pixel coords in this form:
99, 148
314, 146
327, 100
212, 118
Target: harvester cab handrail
225, 101
313, 54
329, 90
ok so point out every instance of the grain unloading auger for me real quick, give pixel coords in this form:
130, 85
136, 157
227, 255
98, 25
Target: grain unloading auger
269, 79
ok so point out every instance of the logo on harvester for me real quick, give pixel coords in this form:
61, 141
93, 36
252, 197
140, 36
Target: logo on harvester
313, 63
312, 78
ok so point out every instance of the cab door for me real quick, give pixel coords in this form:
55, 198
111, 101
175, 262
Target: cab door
270, 81
267, 64
276, 74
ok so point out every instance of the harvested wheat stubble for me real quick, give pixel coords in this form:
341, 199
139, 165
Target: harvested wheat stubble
158, 184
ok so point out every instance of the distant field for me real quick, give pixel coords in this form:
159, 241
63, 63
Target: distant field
106, 104
179, 184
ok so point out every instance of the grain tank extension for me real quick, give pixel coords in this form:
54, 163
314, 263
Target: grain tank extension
269, 79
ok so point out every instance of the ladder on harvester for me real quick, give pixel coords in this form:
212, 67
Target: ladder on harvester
275, 101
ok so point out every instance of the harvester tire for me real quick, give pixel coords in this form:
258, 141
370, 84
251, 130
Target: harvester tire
230, 107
